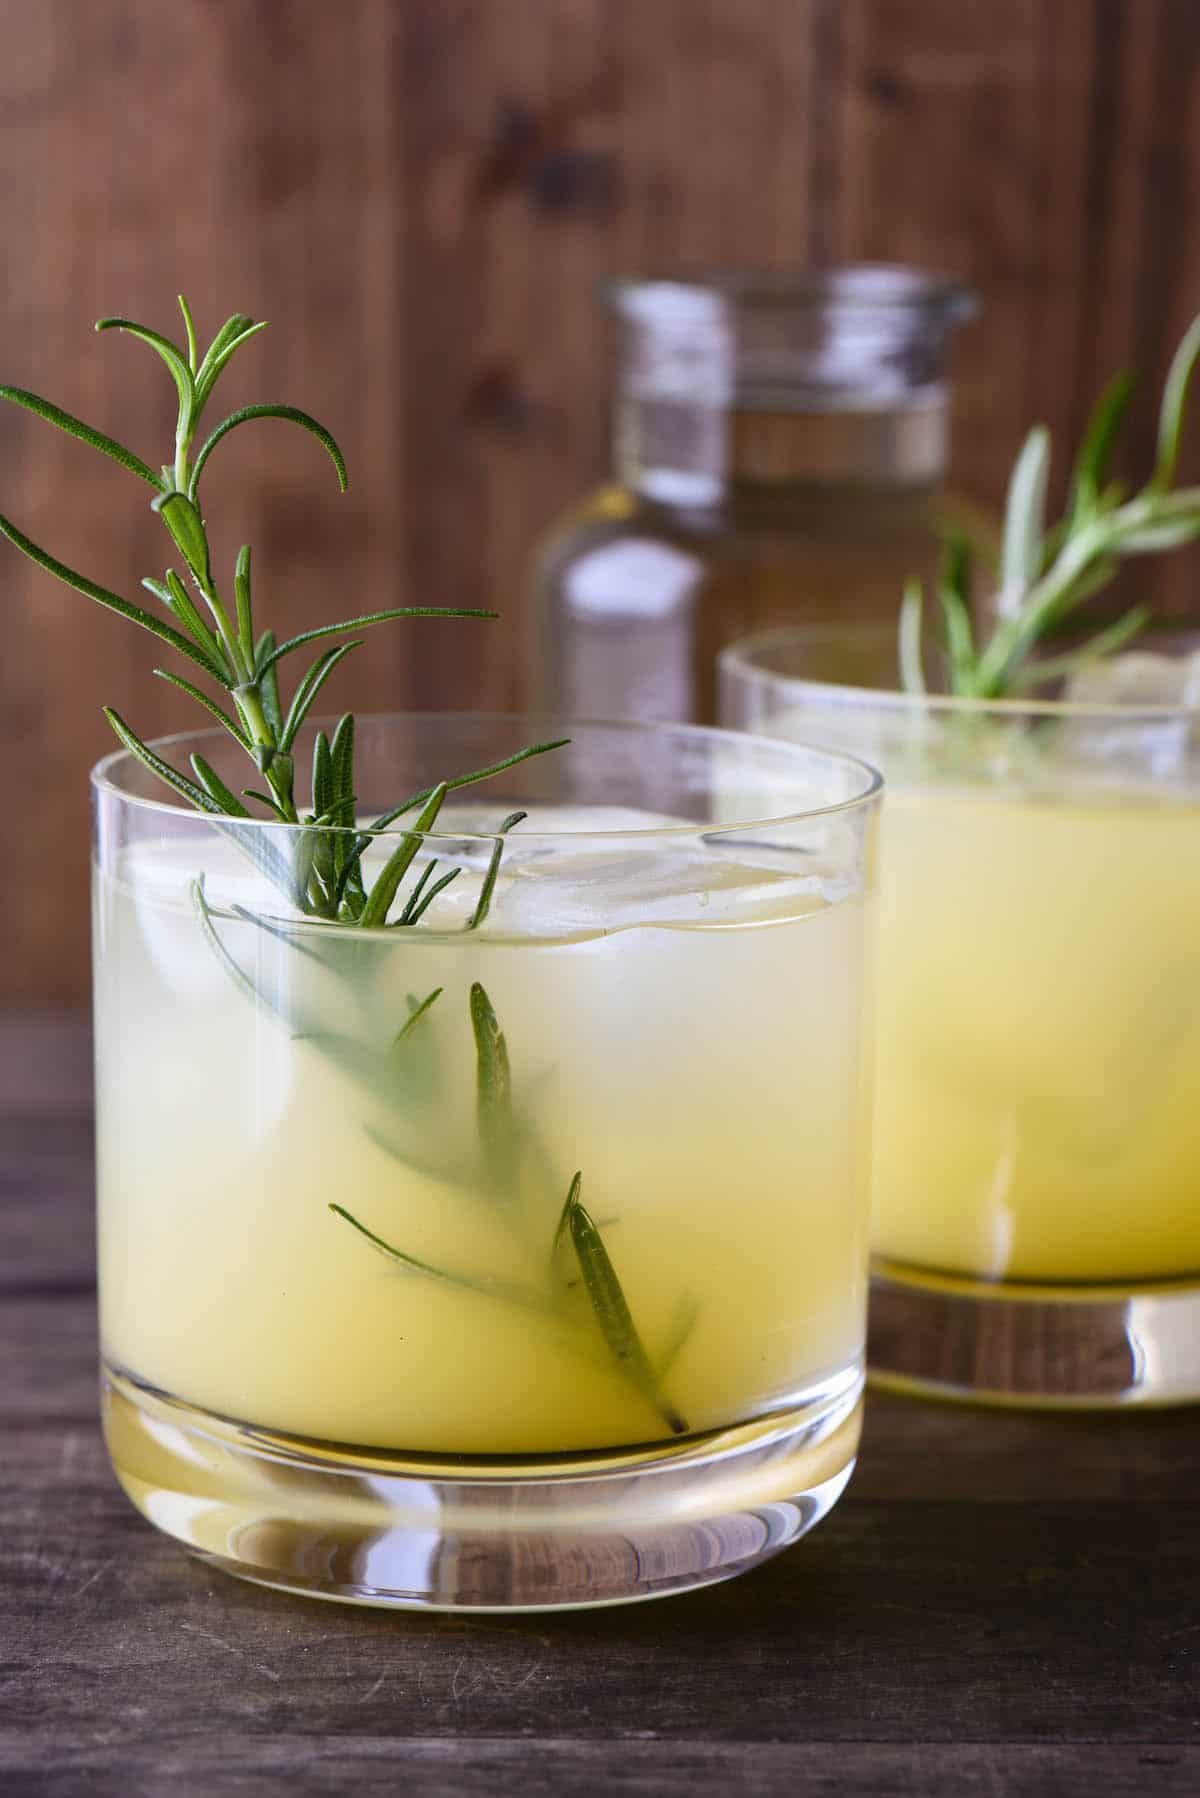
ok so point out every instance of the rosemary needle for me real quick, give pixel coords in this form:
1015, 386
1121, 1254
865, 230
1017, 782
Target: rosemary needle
492, 1289
489, 880
493, 1086
610, 1307
415, 1015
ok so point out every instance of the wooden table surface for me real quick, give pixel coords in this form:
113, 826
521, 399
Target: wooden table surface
1000, 1604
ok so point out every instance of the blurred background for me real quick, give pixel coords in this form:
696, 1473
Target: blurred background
423, 196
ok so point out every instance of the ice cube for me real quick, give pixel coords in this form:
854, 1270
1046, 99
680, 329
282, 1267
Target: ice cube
528, 848
601, 889
158, 875
613, 878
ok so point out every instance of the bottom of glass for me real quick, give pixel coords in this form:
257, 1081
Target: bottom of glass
367, 1526
1001, 1343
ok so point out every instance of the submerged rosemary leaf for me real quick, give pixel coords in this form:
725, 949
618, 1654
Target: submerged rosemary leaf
417, 1012
409, 1261
493, 1086
240, 979
610, 1307
564, 1216
490, 1289
280, 932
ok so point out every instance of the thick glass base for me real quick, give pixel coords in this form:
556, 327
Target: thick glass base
372, 1527
1008, 1344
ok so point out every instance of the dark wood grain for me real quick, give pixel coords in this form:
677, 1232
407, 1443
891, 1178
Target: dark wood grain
423, 196
1002, 1604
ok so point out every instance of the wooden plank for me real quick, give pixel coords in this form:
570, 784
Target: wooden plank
47, 1239
49, 1339
45, 1064
942, 159
445, 1767
544, 149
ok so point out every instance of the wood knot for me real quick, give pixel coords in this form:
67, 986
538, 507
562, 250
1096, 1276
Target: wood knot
531, 153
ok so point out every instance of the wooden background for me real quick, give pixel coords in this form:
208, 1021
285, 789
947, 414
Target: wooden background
422, 194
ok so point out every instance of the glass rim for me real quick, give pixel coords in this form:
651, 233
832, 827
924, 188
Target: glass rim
855, 286
101, 780
742, 658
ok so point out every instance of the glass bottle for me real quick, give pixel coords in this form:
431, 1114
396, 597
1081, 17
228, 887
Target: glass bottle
781, 447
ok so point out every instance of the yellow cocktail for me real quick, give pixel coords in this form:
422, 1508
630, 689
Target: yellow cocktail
1039, 1034
523, 1189
1037, 1134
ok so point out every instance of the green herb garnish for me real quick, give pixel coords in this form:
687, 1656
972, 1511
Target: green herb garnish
1048, 572
319, 865
323, 878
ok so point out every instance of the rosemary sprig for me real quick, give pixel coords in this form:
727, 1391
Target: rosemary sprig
323, 878
1047, 572
321, 869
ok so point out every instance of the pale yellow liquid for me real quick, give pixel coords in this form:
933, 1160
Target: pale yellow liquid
1038, 1076
704, 1077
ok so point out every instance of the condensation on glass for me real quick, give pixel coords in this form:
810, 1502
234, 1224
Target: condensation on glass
780, 451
